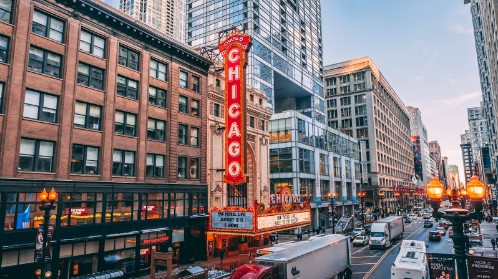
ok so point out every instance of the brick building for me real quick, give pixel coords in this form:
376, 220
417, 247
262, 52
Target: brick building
111, 114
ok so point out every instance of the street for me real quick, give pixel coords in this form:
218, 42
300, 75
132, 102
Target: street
376, 264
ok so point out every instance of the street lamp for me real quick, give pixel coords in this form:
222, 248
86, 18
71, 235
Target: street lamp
47, 200
332, 210
397, 194
476, 191
362, 195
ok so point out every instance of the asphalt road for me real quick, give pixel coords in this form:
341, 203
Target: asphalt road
376, 264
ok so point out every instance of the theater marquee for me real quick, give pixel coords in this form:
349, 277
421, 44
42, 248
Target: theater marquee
234, 51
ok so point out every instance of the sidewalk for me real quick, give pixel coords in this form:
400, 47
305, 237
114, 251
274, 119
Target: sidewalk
488, 231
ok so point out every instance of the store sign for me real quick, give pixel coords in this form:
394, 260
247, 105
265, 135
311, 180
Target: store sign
144, 252
155, 240
482, 267
232, 220
149, 208
286, 198
234, 49
78, 211
283, 220
441, 265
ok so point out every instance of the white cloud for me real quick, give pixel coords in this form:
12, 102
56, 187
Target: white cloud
460, 99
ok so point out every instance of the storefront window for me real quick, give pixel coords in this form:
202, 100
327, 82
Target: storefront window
121, 207
22, 212
152, 206
278, 183
306, 188
198, 203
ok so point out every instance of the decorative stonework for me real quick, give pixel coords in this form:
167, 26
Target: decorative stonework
263, 140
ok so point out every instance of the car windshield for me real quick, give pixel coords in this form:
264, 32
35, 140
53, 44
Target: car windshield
377, 234
434, 233
360, 237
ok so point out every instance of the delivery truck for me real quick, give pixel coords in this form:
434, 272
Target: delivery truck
384, 231
324, 257
411, 262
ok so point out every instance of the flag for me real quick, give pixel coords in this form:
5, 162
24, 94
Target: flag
23, 218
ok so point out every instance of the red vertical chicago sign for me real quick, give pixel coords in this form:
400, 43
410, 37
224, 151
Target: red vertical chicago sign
234, 51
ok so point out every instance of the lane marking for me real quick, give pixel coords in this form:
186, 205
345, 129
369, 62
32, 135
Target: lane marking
387, 253
359, 257
362, 264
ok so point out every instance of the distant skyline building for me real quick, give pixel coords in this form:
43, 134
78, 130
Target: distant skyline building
484, 18
435, 151
165, 16
420, 145
467, 155
286, 57
479, 136
362, 104
454, 177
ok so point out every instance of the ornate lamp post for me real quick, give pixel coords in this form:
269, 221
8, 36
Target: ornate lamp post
362, 195
476, 191
47, 200
397, 195
332, 209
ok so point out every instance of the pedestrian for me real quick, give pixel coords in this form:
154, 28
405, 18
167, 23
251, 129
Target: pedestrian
493, 242
222, 255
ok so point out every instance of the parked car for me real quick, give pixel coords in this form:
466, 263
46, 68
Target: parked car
434, 235
408, 220
450, 231
351, 236
413, 216
443, 224
360, 240
359, 231
441, 230
428, 224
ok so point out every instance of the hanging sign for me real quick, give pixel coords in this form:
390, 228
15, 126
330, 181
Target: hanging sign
234, 51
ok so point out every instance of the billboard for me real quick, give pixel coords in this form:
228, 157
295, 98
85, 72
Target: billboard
417, 158
482, 267
441, 266
234, 52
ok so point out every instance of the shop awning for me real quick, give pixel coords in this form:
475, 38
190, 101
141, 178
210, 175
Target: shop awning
155, 230
122, 234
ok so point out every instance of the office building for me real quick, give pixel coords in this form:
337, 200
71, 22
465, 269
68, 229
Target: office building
95, 111
165, 16
316, 162
479, 136
362, 104
454, 177
467, 155
484, 19
435, 151
286, 57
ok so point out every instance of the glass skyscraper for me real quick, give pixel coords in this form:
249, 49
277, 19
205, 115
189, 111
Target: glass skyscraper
286, 58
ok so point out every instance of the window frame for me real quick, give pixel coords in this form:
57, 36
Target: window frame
127, 58
186, 111
156, 98
90, 77
182, 175
181, 80
192, 109
48, 28
196, 84
92, 44
125, 123
2, 94
157, 72
155, 130
87, 116
36, 156
154, 165
198, 129
216, 110
127, 88
123, 162
44, 62
41, 106
4, 53
185, 136
85, 160
9, 12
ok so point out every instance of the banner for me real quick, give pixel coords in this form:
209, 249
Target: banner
441, 266
482, 267
39, 243
234, 51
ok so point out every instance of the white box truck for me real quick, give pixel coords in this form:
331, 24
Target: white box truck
384, 231
324, 257
411, 262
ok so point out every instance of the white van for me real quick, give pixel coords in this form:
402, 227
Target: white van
411, 262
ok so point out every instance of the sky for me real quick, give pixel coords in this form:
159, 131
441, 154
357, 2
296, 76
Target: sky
424, 48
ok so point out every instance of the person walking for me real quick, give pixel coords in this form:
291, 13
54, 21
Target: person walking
222, 255
493, 242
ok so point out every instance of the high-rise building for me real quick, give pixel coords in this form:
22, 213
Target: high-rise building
478, 135
362, 104
453, 177
467, 155
421, 153
445, 173
165, 16
286, 57
485, 21
435, 151
98, 117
